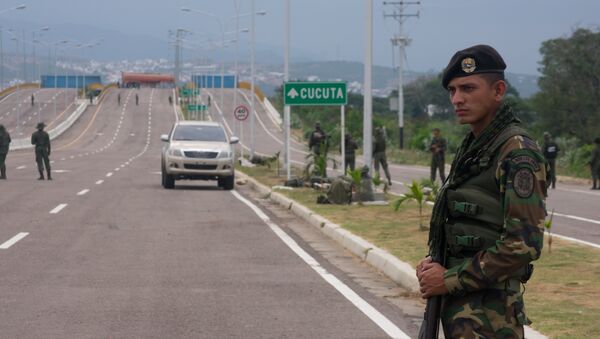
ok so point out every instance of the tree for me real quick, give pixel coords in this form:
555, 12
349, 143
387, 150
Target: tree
417, 195
569, 97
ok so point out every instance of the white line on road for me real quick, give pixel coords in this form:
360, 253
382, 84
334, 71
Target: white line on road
109, 174
384, 323
21, 167
13, 240
574, 217
575, 240
58, 208
83, 192
99, 182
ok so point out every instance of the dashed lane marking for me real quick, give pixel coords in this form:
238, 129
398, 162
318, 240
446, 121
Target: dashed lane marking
58, 208
109, 174
83, 192
6, 245
99, 182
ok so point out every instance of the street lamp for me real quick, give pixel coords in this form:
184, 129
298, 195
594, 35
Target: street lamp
19, 7
13, 8
43, 29
252, 74
220, 22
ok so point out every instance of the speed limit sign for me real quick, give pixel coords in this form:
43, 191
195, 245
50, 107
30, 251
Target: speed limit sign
241, 112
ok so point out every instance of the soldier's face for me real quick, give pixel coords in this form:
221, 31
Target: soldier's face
475, 100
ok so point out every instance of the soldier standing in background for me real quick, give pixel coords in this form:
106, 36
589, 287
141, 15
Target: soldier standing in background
550, 149
137, 99
379, 157
317, 138
4, 146
488, 216
119, 99
595, 165
41, 140
32, 100
350, 148
438, 150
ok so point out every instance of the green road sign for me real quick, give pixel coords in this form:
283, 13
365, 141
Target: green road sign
315, 93
187, 92
196, 107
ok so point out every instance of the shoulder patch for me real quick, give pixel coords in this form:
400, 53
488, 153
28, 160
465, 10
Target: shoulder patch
525, 159
523, 182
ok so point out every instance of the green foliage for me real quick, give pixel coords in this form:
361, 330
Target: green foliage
355, 175
569, 100
316, 164
417, 195
377, 180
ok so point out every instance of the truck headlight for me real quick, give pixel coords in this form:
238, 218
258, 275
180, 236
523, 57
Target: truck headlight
225, 154
175, 152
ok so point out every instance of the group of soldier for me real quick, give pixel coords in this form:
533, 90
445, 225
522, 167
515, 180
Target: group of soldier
41, 141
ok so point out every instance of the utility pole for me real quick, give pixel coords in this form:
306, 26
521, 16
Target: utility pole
401, 41
178, 39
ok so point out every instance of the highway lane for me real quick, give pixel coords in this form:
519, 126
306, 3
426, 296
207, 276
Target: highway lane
109, 253
576, 213
51, 106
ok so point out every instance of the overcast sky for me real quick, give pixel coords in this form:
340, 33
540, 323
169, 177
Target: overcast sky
335, 29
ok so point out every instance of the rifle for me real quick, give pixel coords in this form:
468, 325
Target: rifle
431, 318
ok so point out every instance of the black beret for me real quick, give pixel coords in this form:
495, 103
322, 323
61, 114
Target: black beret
473, 60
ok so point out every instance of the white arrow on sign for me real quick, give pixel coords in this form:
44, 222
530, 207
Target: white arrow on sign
292, 93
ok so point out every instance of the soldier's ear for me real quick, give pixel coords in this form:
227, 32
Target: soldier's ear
499, 89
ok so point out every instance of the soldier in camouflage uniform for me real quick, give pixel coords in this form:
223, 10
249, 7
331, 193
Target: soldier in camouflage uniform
317, 139
379, 157
4, 145
489, 215
41, 140
595, 165
437, 149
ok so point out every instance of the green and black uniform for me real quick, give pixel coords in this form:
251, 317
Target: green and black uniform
350, 148
4, 145
595, 165
438, 150
551, 149
379, 157
489, 218
41, 140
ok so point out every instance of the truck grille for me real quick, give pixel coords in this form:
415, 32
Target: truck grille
201, 154
200, 167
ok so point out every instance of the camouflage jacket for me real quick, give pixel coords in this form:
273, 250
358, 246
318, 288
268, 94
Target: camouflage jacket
520, 176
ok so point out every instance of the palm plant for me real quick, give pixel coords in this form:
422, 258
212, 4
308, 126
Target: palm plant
415, 194
316, 164
355, 175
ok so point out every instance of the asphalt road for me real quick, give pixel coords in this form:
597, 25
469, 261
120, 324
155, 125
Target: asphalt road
105, 251
51, 106
575, 205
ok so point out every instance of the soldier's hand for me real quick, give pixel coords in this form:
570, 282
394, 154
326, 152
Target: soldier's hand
431, 280
427, 259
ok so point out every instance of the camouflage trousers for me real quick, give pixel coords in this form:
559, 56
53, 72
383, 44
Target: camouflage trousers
491, 313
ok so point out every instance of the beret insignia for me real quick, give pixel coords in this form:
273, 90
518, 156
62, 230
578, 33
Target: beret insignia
468, 65
523, 181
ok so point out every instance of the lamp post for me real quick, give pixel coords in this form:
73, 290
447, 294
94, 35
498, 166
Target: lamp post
34, 41
19, 7
18, 127
286, 77
220, 22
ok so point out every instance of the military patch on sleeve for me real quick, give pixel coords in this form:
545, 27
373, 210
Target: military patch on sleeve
523, 182
525, 159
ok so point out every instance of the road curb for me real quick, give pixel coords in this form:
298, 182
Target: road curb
400, 272
397, 270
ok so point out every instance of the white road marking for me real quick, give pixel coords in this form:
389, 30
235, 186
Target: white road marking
574, 217
58, 208
109, 174
6, 245
384, 323
83, 192
21, 167
99, 182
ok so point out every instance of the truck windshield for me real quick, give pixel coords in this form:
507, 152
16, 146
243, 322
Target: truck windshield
199, 133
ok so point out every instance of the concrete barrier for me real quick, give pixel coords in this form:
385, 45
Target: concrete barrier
273, 112
25, 143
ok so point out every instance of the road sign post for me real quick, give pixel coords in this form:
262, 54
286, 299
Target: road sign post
316, 94
241, 113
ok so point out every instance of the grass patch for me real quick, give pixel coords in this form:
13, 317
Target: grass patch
561, 299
